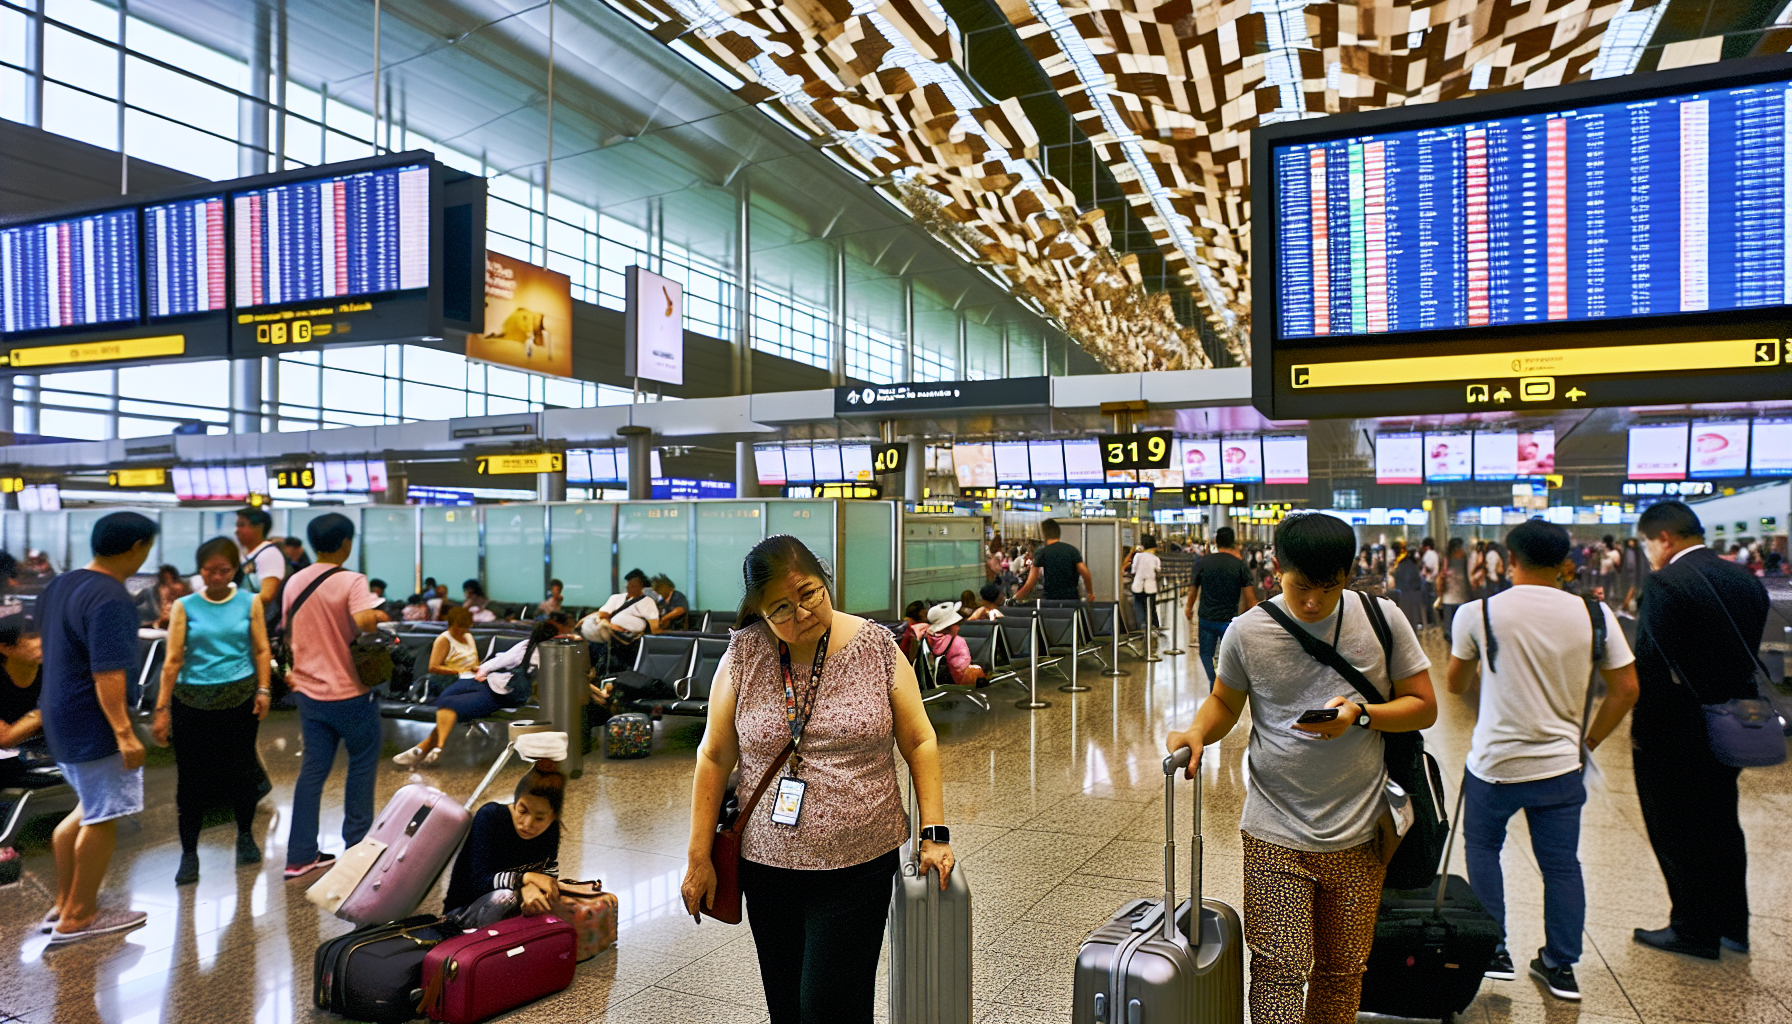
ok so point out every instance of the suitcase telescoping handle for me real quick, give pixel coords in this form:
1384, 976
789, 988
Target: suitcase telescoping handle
1443, 869
1173, 764
497, 766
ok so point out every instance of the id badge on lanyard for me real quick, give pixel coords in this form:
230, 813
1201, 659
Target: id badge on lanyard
787, 806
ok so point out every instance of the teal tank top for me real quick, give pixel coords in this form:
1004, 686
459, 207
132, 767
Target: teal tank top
218, 647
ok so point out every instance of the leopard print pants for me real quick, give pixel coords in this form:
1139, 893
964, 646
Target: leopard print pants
1309, 919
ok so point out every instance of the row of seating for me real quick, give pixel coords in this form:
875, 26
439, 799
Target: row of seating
1045, 632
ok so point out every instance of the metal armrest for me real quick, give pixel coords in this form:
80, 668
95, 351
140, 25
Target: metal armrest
682, 687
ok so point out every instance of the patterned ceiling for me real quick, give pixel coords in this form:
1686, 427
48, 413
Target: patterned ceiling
1093, 156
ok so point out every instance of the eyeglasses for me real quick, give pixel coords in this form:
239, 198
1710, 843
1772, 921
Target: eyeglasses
786, 611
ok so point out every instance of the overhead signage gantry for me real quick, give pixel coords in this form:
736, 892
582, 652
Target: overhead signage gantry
1621, 242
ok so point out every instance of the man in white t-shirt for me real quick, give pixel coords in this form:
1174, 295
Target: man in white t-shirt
1526, 752
264, 564
617, 626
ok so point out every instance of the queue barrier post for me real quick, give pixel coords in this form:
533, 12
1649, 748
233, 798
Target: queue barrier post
1033, 702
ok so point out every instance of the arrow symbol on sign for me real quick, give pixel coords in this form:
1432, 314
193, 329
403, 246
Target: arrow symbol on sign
1764, 352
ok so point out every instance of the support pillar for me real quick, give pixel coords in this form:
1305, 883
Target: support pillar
914, 476
746, 471
743, 289
640, 465
550, 487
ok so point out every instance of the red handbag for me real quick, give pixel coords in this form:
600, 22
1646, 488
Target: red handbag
724, 853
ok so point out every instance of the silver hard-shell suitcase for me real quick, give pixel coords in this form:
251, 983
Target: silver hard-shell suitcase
1142, 969
930, 940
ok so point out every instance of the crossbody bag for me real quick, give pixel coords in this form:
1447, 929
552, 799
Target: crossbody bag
1744, 732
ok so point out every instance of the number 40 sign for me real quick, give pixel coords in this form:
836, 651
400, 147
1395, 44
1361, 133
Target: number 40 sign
1146, 450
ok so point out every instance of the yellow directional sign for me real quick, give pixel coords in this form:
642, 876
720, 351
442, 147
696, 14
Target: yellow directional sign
11, 484
526, 462
296, 479
1542, 364
100, 351
137, 477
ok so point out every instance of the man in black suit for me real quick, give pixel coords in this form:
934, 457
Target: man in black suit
1688, 654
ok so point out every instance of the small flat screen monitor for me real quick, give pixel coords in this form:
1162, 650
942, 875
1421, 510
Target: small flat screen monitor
1201, 461
1241, 459
217, 482
1400, 459
603, 465
236, 479
183, 483
376, 476
827, 463
1719, 449
975, 464
769, 463
1011, 463
335, 477
49, 497
69, 273
855, 463
1657, 452
355, 472
1162, 479
183, 256
578, 466
1449, 457
1082, 462
353, 234
1285, 459
258, 478
1537, 452
1047, 460
1496, 455
799, 465
1773, 448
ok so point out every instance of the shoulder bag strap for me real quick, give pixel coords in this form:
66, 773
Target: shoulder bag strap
1378, 621
1325, 653
1492, 645
1596, 614
746, 811
299, 602
1753, 657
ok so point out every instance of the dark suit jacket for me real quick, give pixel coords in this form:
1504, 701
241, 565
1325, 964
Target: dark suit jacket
1682, 627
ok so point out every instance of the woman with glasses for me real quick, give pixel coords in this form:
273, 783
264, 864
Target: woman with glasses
817, 882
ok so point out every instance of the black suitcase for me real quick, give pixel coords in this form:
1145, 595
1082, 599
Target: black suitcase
375, 972
1430, 953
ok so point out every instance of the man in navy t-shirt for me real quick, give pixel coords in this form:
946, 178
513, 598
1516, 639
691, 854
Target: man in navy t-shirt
89, 626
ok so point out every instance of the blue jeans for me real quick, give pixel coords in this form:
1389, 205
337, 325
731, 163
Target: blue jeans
1211, 632
1552, 808
354, 723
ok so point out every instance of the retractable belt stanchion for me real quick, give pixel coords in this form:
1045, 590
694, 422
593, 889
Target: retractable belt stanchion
1175, 604
1033, 702
1114, 671
1150, 629
1076, 653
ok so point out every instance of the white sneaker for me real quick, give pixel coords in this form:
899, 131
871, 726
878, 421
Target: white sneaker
408, 757
434, 753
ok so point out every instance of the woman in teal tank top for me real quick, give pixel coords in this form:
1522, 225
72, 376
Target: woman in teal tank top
213, 698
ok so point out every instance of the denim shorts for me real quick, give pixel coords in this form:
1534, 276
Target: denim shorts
106, 790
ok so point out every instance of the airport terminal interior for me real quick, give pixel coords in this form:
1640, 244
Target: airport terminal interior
1033, 366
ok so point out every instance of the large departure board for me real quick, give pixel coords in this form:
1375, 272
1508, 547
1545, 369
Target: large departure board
353, 234
1671, 204
183, 256
77, 272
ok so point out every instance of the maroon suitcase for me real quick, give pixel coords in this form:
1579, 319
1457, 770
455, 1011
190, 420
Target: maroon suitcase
486, 971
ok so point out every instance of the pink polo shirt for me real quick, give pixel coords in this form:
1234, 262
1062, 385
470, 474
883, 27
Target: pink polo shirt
322, 667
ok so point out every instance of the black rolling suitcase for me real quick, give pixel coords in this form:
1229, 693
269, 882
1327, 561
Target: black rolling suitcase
375, 972
1430, 949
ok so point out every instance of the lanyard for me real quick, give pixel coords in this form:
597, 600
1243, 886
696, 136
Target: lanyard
798, 722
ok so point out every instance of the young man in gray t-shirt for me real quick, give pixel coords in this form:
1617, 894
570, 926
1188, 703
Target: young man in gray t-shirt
1315, 792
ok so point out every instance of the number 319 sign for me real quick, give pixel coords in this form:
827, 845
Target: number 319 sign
1147, 450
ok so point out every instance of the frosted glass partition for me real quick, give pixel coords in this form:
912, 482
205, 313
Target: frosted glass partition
654, 537
811, 522
298, 524
388, 546
180, 538
12, 533
80, 538
726, 531
579, 540
48, 532
450, 546
515, 553
867, 565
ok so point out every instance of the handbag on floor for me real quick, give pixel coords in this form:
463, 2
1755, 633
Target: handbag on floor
592, 913
628, 735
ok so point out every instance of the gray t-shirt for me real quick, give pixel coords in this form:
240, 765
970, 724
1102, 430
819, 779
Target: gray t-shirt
1303, 792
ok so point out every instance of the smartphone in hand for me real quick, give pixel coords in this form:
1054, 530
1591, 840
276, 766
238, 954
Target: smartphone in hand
1317, 716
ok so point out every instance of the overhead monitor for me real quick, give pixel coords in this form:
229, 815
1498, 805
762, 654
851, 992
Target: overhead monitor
1619, 242
1201, 461
1162, 479
1449, 457
799, 465
217, 482
183, 483
1082, 462
578, 466
974, 465
258, 478
1046, 459
1772, 452
1719, 449
603, 465
1241, 459
336, 476
827, 463
1400, 459
769, 463
1012, 466
1496, 454
236, 482
1537, 452
184, 257
355, 474
362, 233
855, 463
622, 465
74, 273
1285, 459
1657, 451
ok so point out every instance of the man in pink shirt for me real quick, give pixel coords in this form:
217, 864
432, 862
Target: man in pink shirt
325, 608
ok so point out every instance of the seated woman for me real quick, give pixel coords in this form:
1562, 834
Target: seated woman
967, 603
478, 691
989, 603
415, 609
476, 603
945, 643
170, 587
21, 684
454, 654
511, 859
913, 629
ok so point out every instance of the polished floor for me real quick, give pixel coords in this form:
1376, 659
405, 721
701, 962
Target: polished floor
1057, 817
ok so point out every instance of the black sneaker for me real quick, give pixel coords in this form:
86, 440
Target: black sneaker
1559, 979
1500, 967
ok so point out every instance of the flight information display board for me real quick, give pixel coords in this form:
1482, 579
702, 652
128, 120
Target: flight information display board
77, 272
353, 234
183, 256
1619, 242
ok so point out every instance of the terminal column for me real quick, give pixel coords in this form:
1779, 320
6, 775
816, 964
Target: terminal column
640, 466
746, 471
914, 478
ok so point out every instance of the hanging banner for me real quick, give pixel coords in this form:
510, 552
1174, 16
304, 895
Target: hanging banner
528, 318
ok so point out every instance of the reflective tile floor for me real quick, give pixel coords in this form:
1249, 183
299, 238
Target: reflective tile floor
1057, 817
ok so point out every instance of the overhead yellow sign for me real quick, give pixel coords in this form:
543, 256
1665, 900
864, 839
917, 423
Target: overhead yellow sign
296, 479
1667, 357
137, 477
11, 484
529, 462
100, 351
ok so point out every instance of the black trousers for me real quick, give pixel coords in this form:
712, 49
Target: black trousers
214, 763
1689, 809
819, 935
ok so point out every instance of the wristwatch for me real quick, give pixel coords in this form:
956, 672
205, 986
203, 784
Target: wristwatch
1362, 718
936, 834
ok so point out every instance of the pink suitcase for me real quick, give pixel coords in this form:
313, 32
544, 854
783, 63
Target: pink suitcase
487, 971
